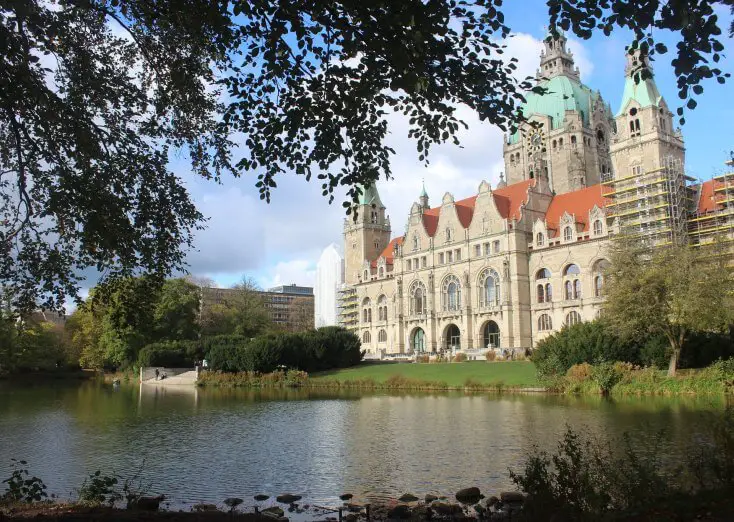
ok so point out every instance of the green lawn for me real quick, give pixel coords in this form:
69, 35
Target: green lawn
511, 373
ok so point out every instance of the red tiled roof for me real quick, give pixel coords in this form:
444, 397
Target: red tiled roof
509, 201
389, 252
577, 203
706, 201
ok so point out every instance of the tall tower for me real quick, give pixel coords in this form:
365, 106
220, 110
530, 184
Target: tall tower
649, 183
568, 140
367, 237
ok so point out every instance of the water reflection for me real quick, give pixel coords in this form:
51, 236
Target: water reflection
208, 444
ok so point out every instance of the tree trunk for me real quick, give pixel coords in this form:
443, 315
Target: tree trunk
674, 356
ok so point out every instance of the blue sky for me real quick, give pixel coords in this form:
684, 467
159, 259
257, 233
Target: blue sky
280, 243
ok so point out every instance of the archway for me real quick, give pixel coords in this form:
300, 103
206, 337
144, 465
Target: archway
418, 340
491, 335
453, 337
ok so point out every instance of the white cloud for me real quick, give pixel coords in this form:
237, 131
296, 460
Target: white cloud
296, 271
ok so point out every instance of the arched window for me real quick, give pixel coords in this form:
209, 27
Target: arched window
599, 270
568, 286
539, 239
366, 275
600, 136
545, 323
577, 289
512, 159
573, 318
571, 269
541, 294
373, 216
417, 298
555, 144
597, 227
567, 234
381, 271
451, 294
415, 243
573, 141
366, 338
448, 235
543, 273
366, 310
489, 283
382, 308
382, 336
598, 286
548, 293
560, 142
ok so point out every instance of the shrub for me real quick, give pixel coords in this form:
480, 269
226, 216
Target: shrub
605, 375
422, 358
21, 488
173, 354
589, 342
99, 489
579, 372
460, 357
490, 355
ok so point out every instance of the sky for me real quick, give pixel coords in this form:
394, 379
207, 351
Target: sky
279, 243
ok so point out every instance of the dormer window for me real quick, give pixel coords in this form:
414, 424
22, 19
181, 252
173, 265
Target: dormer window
567, 234
597, 227
540, 239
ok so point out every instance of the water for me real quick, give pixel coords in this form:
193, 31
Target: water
204, 445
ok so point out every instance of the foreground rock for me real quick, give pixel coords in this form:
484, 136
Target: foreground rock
400, 512
145, 503
408, 498
288, 498
511, 497
469, 495
261, 497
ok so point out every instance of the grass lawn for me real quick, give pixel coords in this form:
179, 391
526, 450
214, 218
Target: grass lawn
511, 373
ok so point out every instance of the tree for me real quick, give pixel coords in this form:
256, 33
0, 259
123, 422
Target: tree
95, 95
300, 314
176, 312
670, 291
240, 311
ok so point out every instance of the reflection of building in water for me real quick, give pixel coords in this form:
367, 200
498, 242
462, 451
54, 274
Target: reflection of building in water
511, 264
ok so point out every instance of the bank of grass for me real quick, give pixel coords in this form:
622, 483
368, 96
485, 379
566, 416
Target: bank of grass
622, 379
477, 375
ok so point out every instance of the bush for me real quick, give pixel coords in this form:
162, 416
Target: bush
422, 358
460, 357
315, 350
490, 355
588, 342
579, 372
605, 375
172, 354
21, 488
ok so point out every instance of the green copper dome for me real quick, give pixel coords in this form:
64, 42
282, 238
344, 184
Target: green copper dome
563, 94
645, 93
370, 196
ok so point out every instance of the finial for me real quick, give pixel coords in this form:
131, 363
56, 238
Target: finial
424, 194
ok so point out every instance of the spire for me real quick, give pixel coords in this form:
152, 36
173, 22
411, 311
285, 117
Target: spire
370, 196
424, 196
639, 83
502, 183
555, 59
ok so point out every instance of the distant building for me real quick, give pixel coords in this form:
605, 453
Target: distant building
329, 277
290, 306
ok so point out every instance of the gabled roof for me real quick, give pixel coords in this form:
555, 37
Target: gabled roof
578, 203
389, 252
509, 201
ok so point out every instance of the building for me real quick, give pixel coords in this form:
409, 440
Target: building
329, 278
291, 307
509, 265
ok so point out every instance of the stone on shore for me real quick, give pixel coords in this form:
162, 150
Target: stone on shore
145, 503
346, 496
261, 497
288, 498
408, 497
469, 495
510, 497
430, 498
273, 511
445, 509
202, 508
401, 511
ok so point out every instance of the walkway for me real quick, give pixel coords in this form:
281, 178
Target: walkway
187, 378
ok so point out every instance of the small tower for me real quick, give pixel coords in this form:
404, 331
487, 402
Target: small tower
424, 197
556, 60
367, 237
502, 183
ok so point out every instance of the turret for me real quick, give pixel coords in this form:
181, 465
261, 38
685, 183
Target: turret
423, 199
556, 60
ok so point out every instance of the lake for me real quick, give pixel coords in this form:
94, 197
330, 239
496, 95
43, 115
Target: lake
204, 445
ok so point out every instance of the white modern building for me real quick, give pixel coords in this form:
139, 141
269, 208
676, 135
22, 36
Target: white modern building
329, 277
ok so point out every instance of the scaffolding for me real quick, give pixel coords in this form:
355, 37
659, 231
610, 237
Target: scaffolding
347, 307
714, 226
651, 206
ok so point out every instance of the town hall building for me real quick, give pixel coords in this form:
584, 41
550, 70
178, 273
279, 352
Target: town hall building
511, 264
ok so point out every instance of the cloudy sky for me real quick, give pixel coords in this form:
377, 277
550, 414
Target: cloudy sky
279, 243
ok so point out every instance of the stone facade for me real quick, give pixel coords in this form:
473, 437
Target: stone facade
508, 266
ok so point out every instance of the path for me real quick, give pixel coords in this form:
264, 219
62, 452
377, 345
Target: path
188, 378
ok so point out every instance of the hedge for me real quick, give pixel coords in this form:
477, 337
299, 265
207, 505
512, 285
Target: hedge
172, 354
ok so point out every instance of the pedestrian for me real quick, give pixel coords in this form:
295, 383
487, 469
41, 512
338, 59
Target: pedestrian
157, 374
